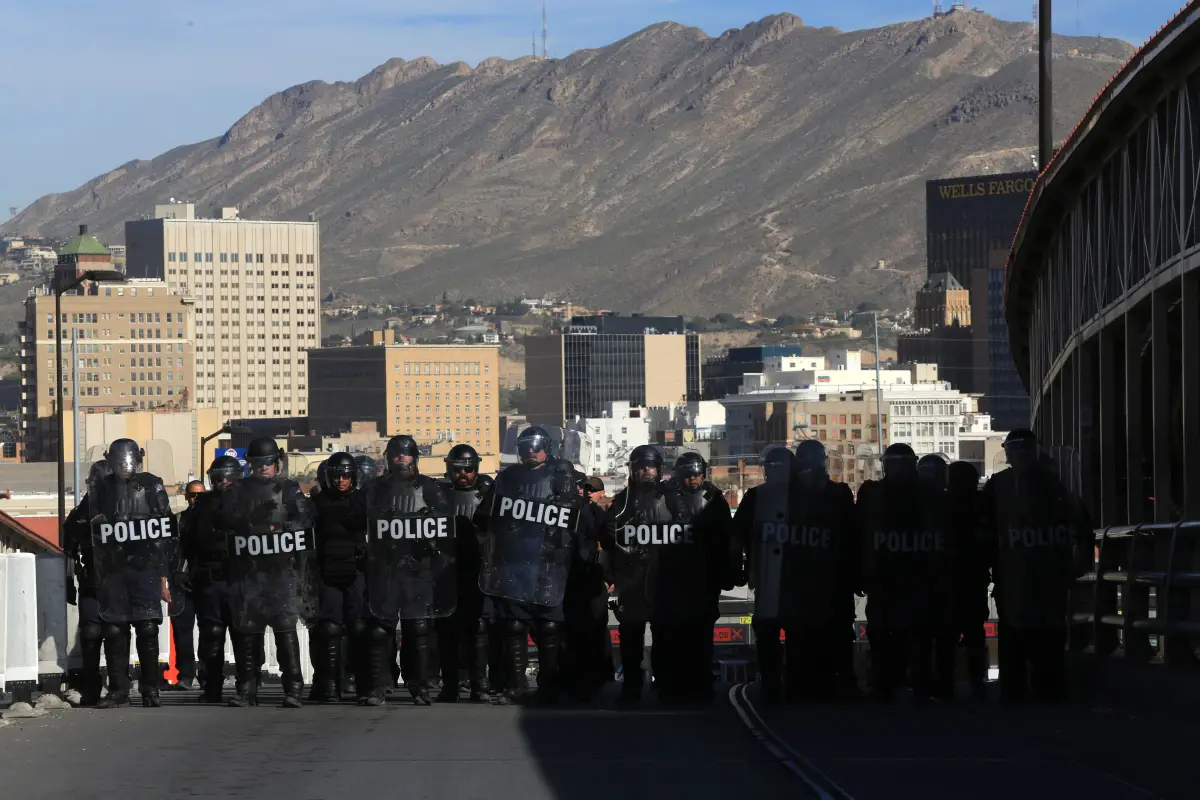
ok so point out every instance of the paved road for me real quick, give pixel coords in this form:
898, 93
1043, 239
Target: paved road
737, 749
979, 752
456, 752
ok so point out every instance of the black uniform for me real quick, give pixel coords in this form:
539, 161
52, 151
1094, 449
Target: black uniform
907, 563
1038, 540
273, 589
970, 585
587, 658
112, 498
392, 493
341, 531
463, 638
551, 481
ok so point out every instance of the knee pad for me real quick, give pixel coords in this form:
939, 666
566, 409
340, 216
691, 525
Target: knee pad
109, 630
418, 627
328, 629
481, 626
378, 634
550, 628
514, 628
90, 632
211, 630
146, 629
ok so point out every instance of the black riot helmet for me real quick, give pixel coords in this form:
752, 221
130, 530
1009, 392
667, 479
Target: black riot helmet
461, 456
96, 475
224, 469
899, 461
933, 469
339, 465
532, 443
262, 453
367, 469
963, 478
778, 463
1022, 449
397, 448
689, 465
811, 458
645, 457
124, 458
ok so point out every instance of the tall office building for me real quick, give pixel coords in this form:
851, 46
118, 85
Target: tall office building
256, 285
970, 224
644, 361
134, 345
436, 393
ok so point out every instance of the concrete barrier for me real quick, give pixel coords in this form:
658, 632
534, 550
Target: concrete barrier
18, 625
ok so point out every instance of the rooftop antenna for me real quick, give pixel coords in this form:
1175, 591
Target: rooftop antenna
545, 32
12, 211
937, 8
533, 41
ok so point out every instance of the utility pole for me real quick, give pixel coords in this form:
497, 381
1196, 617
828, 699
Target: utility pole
1045, 86
75, 404
878, 388
545, 32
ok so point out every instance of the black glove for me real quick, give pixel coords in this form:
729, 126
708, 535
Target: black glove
72, 598
183, 581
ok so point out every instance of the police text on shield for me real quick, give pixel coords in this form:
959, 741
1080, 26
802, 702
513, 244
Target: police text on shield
277, 543
670, 533
413, 528
137, 530
536, 512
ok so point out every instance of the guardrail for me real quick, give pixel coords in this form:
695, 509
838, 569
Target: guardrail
1141, 602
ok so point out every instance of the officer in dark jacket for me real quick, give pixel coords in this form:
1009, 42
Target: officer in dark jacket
205, 549
341, 530
970, 585
123, 581
587, 657
463, 637
1038, 541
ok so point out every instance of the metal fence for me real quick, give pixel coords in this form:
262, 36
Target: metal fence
1141, 602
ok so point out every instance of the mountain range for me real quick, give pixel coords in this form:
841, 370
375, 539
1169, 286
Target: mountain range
769, 169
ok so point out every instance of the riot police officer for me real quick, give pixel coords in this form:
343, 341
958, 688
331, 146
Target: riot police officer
641, 503
906, 568
586, 665
533, 520
341, 531
77, 545
690, 574
970, 585
270, 569
463, 638
1038, 540
205, 549
411, 572
127, 541
762, 513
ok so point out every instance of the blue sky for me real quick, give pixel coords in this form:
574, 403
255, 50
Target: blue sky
86, 86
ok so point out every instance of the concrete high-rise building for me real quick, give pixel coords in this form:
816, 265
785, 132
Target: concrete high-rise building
432, 392
256, 286
134, 348
644, 361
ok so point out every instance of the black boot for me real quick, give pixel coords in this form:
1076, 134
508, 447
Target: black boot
477, 671
549, 646
211, 654
325, 650
91, 642
417, 633
330, 690
287, 646
245, 663
514, 643
147, 650
376, 676
116, 655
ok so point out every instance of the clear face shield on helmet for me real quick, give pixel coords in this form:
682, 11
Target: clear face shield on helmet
221, 477
900, 466
262, 466
1022, 454
533, 448
778, 464
125, 463
690, 474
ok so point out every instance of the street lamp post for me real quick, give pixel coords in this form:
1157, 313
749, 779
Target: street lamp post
96, 276
878, 382
226, 428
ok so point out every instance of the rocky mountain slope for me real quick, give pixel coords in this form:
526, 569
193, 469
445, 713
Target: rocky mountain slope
769, 168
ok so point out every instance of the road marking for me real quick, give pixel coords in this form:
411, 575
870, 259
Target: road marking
821, 784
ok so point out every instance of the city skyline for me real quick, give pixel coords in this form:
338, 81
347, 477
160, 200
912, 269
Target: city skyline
205, 47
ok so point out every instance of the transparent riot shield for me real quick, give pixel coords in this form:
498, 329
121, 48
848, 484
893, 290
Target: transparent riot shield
271, 563
300, 468
999, 463
840, 470
160, 460
1063, 461
134, 551
771, 533
526, 555
412, 568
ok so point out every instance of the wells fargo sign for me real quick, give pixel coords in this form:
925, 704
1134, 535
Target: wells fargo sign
985, 188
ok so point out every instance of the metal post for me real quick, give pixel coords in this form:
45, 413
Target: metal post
58, 413
878, 387
75, 405
1045, 86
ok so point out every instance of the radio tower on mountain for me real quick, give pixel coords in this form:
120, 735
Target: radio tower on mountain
545, 32
937, 8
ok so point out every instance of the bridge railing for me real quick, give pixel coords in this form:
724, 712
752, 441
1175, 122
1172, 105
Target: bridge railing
1141, 601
